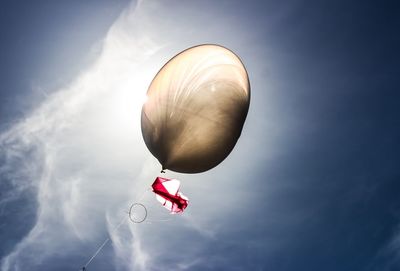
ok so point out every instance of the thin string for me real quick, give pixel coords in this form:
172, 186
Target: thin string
104, 243
108, 238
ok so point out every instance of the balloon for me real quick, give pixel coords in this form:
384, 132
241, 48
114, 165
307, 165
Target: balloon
195, 109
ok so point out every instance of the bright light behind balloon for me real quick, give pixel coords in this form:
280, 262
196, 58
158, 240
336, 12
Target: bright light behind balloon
124, 105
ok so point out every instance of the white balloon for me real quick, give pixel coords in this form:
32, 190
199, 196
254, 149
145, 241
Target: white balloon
196, 107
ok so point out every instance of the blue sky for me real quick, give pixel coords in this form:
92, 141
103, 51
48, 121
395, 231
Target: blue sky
312, 183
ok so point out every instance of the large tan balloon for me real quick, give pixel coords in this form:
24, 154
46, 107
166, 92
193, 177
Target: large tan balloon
196, 107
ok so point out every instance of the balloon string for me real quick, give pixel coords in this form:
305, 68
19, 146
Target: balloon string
97, 252
108, 238
103, 244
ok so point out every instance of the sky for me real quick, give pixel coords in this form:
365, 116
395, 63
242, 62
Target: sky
312, 183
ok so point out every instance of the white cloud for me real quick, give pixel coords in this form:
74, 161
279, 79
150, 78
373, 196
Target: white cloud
82, 140
82, 151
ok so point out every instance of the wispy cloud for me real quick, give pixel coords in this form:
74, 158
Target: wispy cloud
79, 141
80, 154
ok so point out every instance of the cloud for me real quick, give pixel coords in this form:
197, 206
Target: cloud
388, 256
80, 155
79, 141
